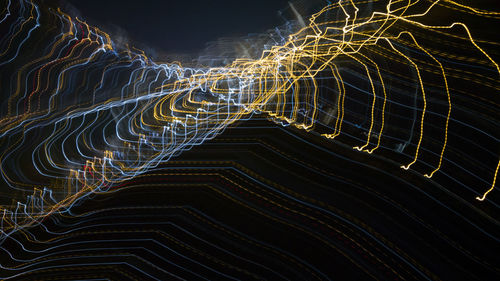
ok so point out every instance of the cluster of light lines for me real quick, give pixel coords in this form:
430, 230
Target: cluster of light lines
102, 113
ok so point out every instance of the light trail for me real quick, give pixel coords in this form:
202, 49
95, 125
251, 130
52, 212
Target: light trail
83, 114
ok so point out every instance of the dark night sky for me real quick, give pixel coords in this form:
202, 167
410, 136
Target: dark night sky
180, 26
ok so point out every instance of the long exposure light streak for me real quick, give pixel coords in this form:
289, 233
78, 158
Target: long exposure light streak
84, 114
